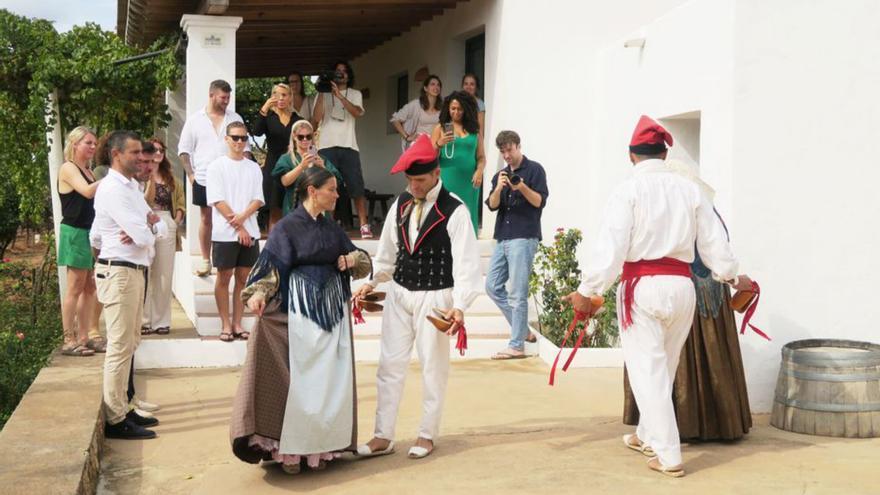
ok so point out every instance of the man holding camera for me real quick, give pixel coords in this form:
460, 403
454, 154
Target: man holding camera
519, 193
335, 114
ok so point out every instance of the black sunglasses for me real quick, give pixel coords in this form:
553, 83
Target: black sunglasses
304, 137
240, 139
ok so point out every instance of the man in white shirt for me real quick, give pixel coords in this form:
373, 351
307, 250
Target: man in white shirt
650, 226
428, 255
235, 190
202, 141
125, 230
335, 113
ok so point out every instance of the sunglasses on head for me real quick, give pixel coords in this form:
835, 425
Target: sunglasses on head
240, 139
304, 137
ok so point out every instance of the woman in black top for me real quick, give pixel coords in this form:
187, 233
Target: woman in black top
76, 189
275, 121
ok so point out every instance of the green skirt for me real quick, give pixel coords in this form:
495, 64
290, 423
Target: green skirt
74, 249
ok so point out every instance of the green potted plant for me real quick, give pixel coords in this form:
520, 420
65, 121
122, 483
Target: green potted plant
555, 275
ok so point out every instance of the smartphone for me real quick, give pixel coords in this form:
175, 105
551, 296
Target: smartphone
447, 128
313, 150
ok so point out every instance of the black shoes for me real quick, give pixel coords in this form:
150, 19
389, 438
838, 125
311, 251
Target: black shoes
128, 430
140, 420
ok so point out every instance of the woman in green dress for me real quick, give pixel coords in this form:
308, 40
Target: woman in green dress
462, 160
302, 155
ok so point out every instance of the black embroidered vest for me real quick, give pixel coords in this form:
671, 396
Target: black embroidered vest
427, 263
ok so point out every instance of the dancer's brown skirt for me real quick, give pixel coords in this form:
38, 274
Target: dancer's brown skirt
261, 398
710, 397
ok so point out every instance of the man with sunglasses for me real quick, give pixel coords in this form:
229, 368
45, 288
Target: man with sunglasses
235, 191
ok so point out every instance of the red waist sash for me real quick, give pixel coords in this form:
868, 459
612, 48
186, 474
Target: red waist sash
633, 271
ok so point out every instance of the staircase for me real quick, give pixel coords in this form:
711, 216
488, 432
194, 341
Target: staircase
488, 331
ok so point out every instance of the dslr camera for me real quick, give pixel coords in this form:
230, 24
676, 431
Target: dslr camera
514, 179
322, 85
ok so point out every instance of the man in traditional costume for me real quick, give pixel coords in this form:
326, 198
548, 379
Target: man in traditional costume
428, 255
296, 400
650, 226
709, 394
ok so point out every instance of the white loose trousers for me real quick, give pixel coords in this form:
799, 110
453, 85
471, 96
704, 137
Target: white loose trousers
662, 315
404, 322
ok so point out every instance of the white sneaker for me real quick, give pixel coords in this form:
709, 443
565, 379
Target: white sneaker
144, 405
203, 269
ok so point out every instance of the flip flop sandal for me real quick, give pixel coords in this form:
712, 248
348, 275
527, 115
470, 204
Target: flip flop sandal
671, 472
79, 350
504, 356
163, 331
227, 336
97, 345
641, 448
147, 331
243, 335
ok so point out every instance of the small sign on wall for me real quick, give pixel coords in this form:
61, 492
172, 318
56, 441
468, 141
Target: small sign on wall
212, 40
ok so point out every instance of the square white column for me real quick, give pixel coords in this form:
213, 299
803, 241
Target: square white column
210, 55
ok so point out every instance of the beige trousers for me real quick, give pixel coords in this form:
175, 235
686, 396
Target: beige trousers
157, 308
121, 291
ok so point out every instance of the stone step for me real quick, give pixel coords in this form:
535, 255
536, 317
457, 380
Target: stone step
206, 305
477, 325
211, 352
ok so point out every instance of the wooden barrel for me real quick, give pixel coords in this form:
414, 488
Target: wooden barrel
829, 387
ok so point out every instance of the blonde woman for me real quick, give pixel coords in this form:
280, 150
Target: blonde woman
76, 189
274, 121
302, 154
164, 193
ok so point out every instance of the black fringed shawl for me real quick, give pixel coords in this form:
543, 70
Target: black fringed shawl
303, 251
710, 292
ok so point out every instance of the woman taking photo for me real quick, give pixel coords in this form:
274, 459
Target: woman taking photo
300, 288
470, 85
300, 103
457, 137
164, 193
303, 154
274, 121
76, 188
421, 115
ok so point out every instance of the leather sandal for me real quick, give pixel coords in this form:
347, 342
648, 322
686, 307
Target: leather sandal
641, 448
365, 451
672, 472
227, 336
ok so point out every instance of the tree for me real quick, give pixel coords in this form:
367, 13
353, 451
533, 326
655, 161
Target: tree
35, 61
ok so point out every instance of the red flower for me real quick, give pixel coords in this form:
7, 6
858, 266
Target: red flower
19, 335
6, 260
560, 229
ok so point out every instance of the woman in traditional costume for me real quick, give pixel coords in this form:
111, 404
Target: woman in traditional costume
300, 288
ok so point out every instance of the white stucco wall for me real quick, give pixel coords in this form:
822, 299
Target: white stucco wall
437, 44
806, 111
786, 96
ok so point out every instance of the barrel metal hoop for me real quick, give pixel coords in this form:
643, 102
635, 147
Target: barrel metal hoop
829, 377
819, 407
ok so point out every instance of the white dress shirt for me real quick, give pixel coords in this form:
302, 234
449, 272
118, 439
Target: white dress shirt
120, 207
655, 214
203, 143
465, 252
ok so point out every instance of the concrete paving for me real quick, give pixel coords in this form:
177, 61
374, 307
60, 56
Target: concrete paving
504, 431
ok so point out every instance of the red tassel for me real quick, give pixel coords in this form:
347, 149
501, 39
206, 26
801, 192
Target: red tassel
750, 311
461, 343
357, 314
578, 317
